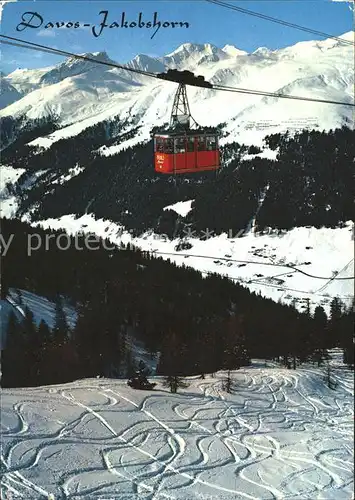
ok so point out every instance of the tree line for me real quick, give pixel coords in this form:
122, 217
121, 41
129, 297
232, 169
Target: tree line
309, 183
195, 324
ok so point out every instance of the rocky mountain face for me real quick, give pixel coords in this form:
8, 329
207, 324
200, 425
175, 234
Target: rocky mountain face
8, 93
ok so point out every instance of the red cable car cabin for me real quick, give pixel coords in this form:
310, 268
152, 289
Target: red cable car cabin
181, 152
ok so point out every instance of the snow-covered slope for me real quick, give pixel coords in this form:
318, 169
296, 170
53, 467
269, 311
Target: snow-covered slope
44, 309
76, 90
304, 263
26, 80
41, 307
281, 434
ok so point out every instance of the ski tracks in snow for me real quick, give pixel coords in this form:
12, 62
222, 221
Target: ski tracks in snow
280, 435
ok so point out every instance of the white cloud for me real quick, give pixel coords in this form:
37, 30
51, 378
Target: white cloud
46, 33
2, 5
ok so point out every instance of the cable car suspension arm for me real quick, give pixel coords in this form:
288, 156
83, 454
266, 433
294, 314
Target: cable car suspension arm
181, 115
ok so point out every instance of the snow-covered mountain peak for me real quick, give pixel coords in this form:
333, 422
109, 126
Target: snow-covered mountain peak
146, 63
74, 67
262, 51
233, 51
18, 71
101, 54
190, 55
98, 56
349, 36
26, 80
189, 48
74, 62
315, 48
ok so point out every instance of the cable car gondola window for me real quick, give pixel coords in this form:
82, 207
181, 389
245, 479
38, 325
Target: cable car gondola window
159, 145
169, 146
190, 144
211, 143
201, 143
180, 145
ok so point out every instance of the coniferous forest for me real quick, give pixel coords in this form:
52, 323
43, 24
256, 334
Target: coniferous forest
197, 324
309, 183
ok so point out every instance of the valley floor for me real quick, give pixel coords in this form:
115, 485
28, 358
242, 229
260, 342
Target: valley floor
282, 434
302, 264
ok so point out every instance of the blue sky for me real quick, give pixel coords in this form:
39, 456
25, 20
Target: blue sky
209, 23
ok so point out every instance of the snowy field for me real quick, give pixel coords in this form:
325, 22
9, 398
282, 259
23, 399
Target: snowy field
282, 434
300, 264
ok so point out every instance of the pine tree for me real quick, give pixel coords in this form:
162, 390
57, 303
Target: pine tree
29, 324
44, 332
40, 353
19, 297
32, 347
85, 341
346, 325
348, 354
143, 370
129, 362
122, 349
171, 362
57, 355
235, 351
4, 283
319, 336
16, 357
174, 382
61, 328
336, 310
11, 367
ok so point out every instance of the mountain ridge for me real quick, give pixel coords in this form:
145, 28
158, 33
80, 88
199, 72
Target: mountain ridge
77, 90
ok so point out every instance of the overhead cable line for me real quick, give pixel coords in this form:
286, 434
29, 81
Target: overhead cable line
76, 56
333, 277
279, 95
42, 48
21, 45
279, 21
271, 285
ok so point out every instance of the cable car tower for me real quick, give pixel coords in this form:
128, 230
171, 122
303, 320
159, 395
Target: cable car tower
185, 147
181, 115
